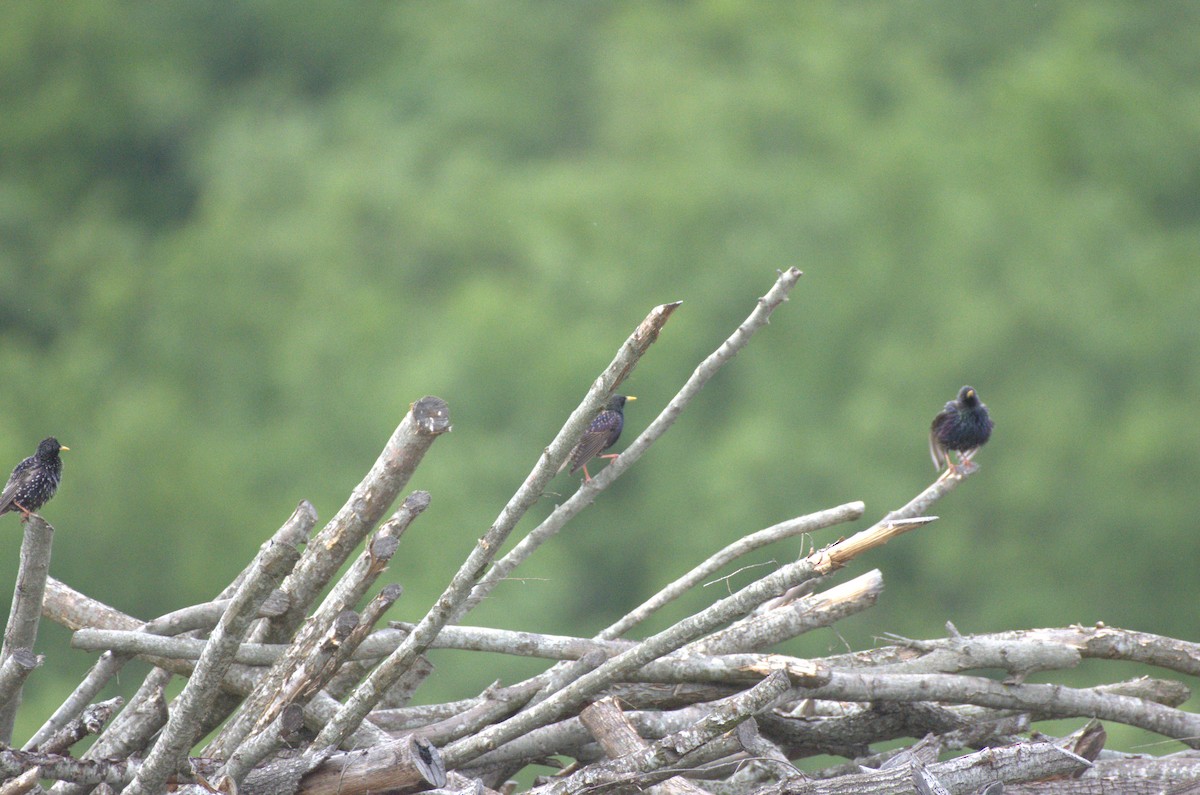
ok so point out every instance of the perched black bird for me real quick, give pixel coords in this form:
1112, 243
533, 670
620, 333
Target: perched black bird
963, 426
600, 435
34, 480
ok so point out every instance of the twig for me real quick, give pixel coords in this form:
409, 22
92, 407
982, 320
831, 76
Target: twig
523, 644
915, 507
133, 727
804, 524
1098, 642
21, 631
835, 556
499, 704
206, 615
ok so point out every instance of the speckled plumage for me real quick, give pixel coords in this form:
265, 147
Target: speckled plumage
601, 434
34, 480
963, 426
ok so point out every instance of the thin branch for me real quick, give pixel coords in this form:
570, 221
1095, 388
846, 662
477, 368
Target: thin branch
90, 721
588, 492
100, 674
378, 644
800, 525
57, 766
1098, 642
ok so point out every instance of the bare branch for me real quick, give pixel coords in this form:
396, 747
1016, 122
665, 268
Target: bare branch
669, 751
91, 721
306, 681
674, 637
787, 621
274, 562
426, 420
344, 596
450, 605
18, 664
793, 527
407, 765
1025, 762
21, 631
1049, 700
616, 734
378, 644
587, 493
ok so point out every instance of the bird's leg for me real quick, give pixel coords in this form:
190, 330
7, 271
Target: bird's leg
24, 511
610, 455
586, 477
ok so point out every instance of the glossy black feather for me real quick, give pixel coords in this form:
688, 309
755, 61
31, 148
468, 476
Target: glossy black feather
34, 480
963, 426
600, 435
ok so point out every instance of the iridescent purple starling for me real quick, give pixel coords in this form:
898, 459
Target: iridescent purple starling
34, 480
600, 435
962, 426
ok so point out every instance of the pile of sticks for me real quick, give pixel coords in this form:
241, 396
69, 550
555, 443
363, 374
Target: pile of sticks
299, 687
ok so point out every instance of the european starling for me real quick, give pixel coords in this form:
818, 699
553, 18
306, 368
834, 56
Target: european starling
34, 480
963, 426
600, 435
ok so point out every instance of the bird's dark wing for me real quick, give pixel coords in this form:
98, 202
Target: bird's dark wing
936, 451
591, 445
15, 481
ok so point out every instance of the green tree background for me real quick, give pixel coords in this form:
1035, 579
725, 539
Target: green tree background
238, 239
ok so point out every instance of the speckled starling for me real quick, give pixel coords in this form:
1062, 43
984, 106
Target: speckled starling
962, 426
601, 434
34, 480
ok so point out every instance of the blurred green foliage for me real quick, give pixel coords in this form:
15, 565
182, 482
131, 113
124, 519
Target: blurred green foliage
238, 239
